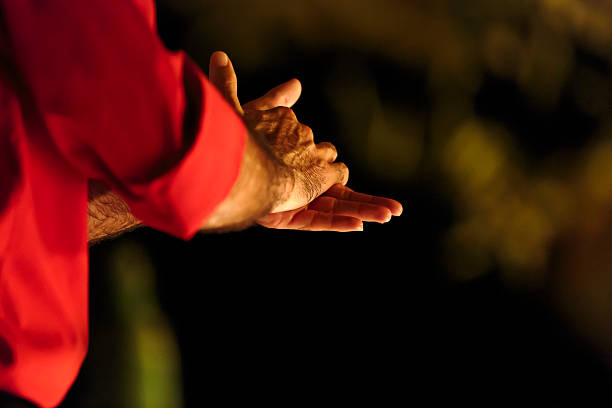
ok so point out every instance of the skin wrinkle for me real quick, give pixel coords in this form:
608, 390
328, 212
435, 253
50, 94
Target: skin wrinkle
261, 205
297, 139
108, 215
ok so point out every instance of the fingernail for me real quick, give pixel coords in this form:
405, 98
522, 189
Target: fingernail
220, 59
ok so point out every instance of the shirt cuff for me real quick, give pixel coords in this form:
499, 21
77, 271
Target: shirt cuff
179, 201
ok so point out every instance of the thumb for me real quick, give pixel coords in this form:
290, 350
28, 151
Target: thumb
285, 94
221, 74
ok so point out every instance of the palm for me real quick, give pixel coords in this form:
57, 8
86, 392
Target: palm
338, 209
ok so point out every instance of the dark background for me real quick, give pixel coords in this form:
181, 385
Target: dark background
461, 296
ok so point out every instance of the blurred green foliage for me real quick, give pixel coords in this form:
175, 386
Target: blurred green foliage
136, 360
155, 378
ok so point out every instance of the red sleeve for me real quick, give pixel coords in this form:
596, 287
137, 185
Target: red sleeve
113, 100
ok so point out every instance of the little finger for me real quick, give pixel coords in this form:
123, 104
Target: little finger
327, 151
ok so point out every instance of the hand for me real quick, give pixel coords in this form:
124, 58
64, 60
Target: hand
312, 165
307, 169
337, 209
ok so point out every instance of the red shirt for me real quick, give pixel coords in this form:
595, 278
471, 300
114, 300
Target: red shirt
87, 90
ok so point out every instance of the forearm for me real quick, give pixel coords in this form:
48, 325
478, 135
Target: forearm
261, 183
107, 214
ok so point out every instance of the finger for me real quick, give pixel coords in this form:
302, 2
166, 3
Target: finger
305, 131
304, 219
222, 75
345, 193
355, 209
311, 220
342, 173
278, 220
327, 151
286, 94
331, 174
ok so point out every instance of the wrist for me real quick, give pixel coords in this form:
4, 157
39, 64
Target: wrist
263, 181
281, 180
284, 184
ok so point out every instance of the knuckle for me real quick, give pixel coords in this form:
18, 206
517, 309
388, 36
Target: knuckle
343, 172
306, 131
328, 146
284, 114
